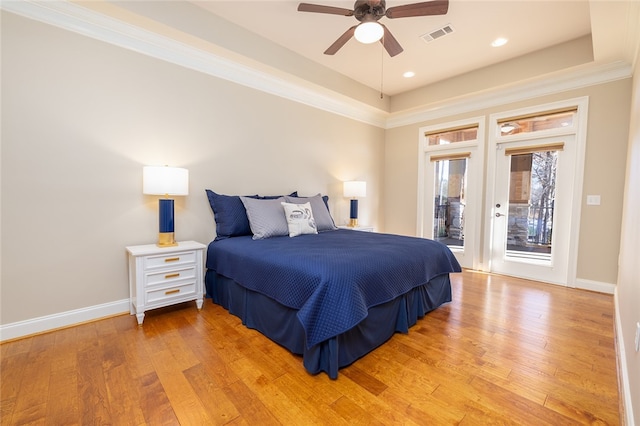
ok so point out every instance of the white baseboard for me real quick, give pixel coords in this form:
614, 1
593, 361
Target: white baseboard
597, 286
623, 372
63, 319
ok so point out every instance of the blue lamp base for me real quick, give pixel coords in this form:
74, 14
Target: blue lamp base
166, 235
353, 213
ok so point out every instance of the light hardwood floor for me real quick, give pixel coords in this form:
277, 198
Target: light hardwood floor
505, 351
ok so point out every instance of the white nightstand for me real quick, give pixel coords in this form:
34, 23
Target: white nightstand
357, 228
160, 276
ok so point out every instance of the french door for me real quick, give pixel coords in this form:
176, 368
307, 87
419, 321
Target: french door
512, 205
535, 165
532, 208
450, 188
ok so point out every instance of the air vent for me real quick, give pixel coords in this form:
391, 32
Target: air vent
438, 33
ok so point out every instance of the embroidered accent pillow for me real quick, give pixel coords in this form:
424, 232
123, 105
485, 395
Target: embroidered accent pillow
324, 221
299, 219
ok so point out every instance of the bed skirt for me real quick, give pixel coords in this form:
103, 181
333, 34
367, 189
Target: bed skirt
280, 323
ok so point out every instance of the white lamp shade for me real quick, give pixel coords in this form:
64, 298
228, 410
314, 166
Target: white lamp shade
369, 32
355, 189
164, 180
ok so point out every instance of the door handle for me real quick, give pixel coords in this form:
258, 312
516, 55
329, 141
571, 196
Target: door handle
499, 214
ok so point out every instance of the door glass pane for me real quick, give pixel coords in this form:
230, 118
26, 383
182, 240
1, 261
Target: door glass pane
450, 183
531, 201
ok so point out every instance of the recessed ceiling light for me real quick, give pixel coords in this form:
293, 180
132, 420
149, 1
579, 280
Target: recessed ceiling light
500, 41
409, 74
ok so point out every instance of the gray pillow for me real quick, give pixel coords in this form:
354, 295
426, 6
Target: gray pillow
266, 217
321, 214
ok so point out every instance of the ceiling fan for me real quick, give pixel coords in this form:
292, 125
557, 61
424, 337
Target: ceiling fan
368, 12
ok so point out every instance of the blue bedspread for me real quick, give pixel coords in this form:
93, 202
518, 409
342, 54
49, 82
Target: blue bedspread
332, 278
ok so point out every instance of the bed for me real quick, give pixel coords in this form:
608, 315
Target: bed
331, 296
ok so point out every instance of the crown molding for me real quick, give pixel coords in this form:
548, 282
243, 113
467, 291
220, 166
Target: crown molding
205, 57
557, 82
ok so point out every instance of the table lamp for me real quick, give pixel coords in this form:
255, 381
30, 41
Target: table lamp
164, 180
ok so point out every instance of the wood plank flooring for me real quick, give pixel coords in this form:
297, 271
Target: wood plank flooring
505, 351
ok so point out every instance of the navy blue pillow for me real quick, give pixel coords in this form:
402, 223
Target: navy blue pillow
273, 197
229, 214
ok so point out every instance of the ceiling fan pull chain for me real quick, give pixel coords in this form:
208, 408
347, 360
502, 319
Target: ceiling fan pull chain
381, 66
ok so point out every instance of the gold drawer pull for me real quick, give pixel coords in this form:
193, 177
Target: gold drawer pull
177, 290
172, 259
171, 276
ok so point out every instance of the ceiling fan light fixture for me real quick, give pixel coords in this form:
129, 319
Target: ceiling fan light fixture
369, 32
368, 12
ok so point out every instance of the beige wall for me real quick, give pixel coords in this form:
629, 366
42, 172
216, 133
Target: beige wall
628, 289
79, 120
604, 173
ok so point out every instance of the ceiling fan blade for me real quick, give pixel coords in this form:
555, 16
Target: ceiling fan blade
317, 8
427, 8
341, 41
390, 43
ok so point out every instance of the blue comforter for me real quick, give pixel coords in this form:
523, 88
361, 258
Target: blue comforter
331, 278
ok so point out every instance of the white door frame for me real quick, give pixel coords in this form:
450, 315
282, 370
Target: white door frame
469, 256
579, 130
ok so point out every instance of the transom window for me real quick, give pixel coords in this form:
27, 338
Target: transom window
449, 136
537, 122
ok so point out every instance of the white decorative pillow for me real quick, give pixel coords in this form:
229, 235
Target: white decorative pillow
324, 221
300, 219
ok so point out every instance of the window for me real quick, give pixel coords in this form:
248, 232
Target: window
450, 183
449, 136
531, 200
537, 122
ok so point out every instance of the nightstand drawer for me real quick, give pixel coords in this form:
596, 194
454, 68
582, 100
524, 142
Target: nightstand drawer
170, 275
166, 294
170, 260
